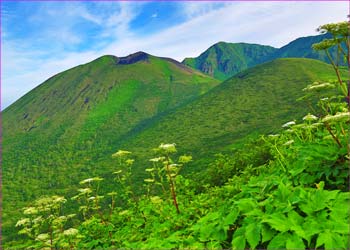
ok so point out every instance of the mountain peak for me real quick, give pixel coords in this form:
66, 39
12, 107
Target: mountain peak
133, 58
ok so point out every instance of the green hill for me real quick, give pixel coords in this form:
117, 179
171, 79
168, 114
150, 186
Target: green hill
66, 129
255, 101
54, 135
223, 60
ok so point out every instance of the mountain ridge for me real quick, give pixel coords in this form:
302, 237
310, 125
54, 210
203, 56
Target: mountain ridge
213, 60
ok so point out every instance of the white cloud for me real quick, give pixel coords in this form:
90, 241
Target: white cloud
270, 23
194, 9
23, 73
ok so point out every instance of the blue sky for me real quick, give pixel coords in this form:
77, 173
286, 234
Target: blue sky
40, 39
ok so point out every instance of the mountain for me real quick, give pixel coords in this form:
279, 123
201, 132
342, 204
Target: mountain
66, 129
302, 47
223, 60
54, 135
255, 101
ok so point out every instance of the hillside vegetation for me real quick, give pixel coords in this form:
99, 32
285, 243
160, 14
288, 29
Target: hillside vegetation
256, 101
258, 161
62, 127
296, 199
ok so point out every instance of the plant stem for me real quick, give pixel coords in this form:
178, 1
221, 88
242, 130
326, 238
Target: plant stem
335, 67
172, 188
333, 136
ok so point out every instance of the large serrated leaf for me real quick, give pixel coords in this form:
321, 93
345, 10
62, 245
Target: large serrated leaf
278, 242
246, 205
252, 233
296, 221
295, 242
231, 217
238, 243
267, 233
330, 240
238, 239
278, 222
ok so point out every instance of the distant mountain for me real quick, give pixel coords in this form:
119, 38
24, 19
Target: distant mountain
302, 47
55, 134
223, 60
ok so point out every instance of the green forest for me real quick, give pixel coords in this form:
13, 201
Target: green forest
159, 154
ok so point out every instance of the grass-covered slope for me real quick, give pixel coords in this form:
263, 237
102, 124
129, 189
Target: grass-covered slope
54, 135
223, 60
93, 93
258, 100
281, 191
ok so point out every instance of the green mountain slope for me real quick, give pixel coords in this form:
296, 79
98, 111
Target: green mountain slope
66, 129
302, 47
223, 60
258, 100
53, 135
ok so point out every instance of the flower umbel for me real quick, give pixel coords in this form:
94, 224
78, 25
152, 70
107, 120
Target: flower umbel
288, 124
120, 153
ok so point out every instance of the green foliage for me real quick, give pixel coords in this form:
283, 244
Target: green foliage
286, 190
272, 203
77, 118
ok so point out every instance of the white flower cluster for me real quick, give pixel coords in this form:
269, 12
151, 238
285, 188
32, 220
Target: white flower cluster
310, 117
91, 180
30, 210
22, 222
170, 148
157, 159
42, 237
318, 86
288, 143
120, 153
337, 117
288, 124
71, 232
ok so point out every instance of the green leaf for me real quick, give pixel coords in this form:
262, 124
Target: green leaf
238, 243
278, 242
295, 242
238, 239
267, 233
296, 221
278, 222
330, 240
246, 205
341, 227
213, 245
231, 217
252, 233
219, 234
